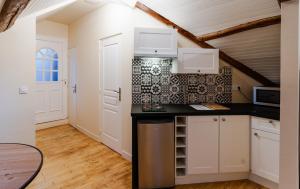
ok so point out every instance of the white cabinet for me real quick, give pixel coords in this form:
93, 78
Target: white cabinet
203, 144
265, 141
197, 60
218, 144
152, 42
234, 144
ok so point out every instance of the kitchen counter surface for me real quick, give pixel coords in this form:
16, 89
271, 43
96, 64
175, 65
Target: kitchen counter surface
234, 109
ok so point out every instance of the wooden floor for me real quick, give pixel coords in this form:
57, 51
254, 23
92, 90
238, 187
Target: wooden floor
74, 161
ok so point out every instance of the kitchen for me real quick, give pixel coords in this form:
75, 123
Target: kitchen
153, 94
185, 128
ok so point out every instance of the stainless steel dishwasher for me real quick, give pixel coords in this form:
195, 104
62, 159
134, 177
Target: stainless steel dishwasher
156, 153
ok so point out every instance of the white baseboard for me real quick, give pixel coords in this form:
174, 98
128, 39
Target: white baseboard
263, 181
127, 155
51, 124
206, 178
88, 133
124, 154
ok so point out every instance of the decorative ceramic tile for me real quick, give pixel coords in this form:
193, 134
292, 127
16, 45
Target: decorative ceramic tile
152, 82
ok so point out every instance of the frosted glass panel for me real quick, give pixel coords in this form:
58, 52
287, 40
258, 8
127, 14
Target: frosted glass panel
47, 76
39, 76
47, 65
54, 76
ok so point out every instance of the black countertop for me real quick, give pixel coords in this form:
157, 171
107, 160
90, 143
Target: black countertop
235, 109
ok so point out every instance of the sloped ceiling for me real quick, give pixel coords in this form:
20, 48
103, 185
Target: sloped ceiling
35, 6
258, 49
73, 11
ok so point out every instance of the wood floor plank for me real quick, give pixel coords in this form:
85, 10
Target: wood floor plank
74, 161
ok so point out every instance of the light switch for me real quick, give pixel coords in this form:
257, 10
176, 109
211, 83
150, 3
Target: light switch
23, 90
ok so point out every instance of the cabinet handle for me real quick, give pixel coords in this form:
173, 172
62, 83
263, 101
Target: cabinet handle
215, 119
223, 119
255, 134
199, 71
271, 121
155, 51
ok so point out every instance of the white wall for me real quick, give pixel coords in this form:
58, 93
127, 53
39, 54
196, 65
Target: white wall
17, 68
289, 112
52, 29
106, 21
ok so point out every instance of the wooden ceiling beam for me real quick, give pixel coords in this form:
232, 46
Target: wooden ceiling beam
241, 28
10, 11
231, 61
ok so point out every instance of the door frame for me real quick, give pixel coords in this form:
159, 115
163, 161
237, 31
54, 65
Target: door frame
69, 87
64, 68
101, 95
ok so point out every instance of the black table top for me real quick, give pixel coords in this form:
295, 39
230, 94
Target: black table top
234, 109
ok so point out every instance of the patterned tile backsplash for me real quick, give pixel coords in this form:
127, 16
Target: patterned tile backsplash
152, 82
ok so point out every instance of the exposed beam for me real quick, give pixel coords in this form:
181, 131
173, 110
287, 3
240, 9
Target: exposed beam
231, 61
241, 28
10, 12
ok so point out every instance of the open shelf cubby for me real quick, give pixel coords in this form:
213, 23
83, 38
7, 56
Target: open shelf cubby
181, 120
180, 152
180, 172
181, 144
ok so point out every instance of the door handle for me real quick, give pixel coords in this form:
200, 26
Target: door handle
74, 88
119, 92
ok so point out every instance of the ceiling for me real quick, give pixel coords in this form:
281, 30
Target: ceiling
258, 49
74, 11
40, 7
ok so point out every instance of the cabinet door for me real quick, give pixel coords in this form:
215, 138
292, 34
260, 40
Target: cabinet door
197, 60
203, 144
234, 144
155, 42
265, 154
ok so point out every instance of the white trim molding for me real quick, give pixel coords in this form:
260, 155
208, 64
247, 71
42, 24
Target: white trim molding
51, 124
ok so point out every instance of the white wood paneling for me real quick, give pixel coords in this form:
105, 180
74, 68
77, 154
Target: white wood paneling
200, 17
258, 49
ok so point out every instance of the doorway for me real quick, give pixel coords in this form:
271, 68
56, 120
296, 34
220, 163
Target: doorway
110, 79
50, 80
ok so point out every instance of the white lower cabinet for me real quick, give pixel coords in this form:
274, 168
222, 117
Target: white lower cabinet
265, 152
234, 144
218, 144
203, 145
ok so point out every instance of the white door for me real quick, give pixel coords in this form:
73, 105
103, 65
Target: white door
265, 154
72, 87
203, 144
50, 83
234, 144
111, 92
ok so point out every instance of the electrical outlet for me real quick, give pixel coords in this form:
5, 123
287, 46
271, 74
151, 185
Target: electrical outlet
235, 87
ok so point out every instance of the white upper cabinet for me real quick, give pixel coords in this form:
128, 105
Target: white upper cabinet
197, 60
234, 144
152, 42
203, 145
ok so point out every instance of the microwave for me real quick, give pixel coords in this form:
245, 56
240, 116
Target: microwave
267, 96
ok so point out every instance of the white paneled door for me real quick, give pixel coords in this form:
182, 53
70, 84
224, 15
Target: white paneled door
50, 84
111, 92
